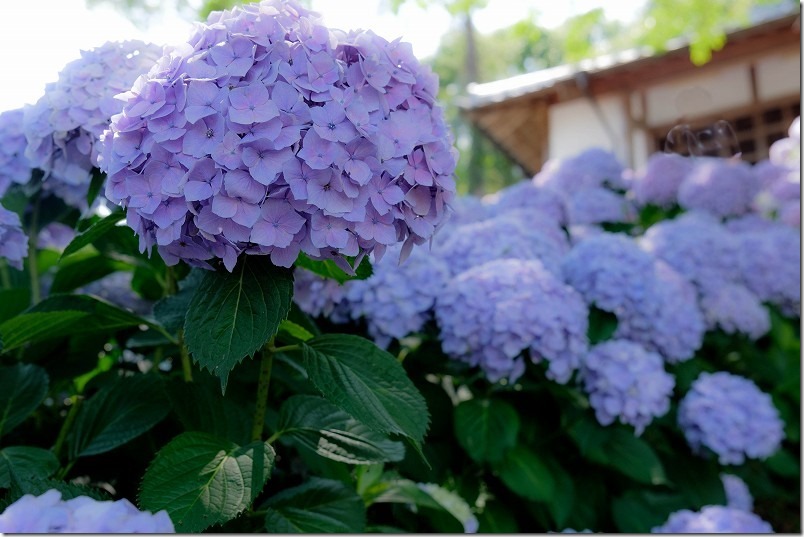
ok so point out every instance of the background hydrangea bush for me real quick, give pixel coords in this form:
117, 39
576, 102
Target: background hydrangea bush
238, 293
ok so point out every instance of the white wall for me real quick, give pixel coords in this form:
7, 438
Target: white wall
779, 76
574, 126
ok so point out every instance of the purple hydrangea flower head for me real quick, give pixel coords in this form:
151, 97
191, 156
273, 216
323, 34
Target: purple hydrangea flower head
599, 205
714, 519
398, 299
738, 496
770, 262
528, 195
731, 416
721, 187
491, 313
787, 151
15, 168
64, 126
48, 513
318, 296
116, 288
675, 327
13, 242
658, 183
696, 245
55, 236
465, 210
780, 192
280, 136
626, 382
732, 307
592, 168
518, 234
611, 272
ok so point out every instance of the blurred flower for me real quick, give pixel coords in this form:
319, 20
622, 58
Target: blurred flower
490, 314
675, 326
626, 382
64, 125
55, 236
527, 195
732, 307
720, 187
713, 519
599, 205
397, 300
116, 288
267, 133
737, 494
731, 416
48, 513
13, 241
15, 168
319, 296
517, 234
658, 183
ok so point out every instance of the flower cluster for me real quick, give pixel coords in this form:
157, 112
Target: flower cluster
318, 296
720, 187
714, 519
695, 244
590, 184
397, 300
626, 382
659, 181
676, 328
733, 308
48, 513
528, 195
489, 314
738, 496
770, 262
116, 288
15, 168
611, 271
267, 133
731, 416
13, 242
516, 234
64, 125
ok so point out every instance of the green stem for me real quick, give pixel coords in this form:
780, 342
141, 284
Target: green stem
283, 349
67, 425
186, 365
33, 262
5, 277
266, 365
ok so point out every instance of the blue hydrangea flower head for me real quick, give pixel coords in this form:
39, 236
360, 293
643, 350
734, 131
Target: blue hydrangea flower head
770, 261
738, 496
490, 314
594, 167
611, 272
13, 241
318, 296
15, 168
64, 126
269, 134
675, 327
696, 245
398, 299
626, 382
528, 195
116, 288
714, 519
599, 205
733, 308
48, 513
658, 183
730, 416
465, 210
721, 187
787, 151
517, 234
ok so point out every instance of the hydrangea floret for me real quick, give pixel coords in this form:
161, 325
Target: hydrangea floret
517, 234
626, 382
730, 416
490, 314
15, 168
48, 513
720, 187
13, 241
267, 133
714, 519
398, 299
658, 182
64, 126
738, 495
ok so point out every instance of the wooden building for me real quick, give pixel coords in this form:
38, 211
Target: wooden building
628, 102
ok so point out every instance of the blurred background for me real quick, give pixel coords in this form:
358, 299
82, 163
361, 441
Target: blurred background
522, 81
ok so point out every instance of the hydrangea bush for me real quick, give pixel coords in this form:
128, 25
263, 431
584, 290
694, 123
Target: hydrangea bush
292, 323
